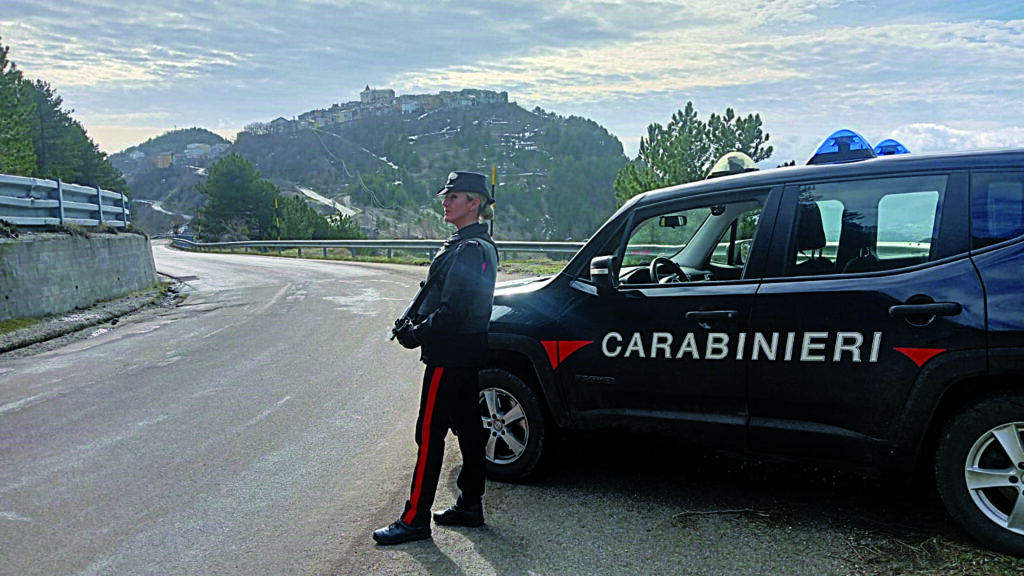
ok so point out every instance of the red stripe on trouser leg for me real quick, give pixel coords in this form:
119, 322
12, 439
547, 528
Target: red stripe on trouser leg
421, 460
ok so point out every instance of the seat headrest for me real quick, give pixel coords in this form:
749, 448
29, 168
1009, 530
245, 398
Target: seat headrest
810, 232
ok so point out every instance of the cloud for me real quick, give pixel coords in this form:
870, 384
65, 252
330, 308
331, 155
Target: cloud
157, 43
887, 65
806, 65
937, 137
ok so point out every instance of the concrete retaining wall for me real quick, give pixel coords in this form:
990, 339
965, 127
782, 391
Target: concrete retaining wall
44, 274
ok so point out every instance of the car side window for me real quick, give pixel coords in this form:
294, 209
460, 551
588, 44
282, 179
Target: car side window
663, 235
865, 225
733, 247
703, 243
997, 207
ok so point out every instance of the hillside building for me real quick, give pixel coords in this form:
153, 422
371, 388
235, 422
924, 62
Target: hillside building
281, 125
163, 160
377, 97
197, 150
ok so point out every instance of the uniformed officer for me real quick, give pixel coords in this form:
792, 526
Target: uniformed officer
450, 328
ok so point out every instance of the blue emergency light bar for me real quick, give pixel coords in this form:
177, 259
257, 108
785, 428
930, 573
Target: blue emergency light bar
842, 146
889, 147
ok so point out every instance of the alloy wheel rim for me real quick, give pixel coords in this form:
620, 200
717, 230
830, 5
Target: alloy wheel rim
508, 429
994, 473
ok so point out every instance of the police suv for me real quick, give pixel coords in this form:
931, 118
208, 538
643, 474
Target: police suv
859, 310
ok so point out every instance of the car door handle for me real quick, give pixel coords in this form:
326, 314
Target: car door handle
932, 309
701, 316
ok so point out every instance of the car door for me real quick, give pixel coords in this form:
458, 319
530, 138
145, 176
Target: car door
652, 355
871, 287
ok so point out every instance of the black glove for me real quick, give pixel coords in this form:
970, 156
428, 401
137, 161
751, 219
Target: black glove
407, 338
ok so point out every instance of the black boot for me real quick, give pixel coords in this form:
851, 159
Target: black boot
399, 532
461, 514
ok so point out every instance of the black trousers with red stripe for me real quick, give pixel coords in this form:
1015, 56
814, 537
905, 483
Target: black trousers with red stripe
449, 400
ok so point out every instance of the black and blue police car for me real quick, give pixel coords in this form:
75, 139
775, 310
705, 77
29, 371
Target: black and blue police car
863, 309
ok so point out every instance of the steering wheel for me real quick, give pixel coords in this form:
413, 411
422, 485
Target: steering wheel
673, 268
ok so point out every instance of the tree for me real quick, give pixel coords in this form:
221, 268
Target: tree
577, 195
17, 156
39, 138
297, 221
686, 149
63, 148
240, 203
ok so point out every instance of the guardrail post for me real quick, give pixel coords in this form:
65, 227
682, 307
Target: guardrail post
353, 251
60, 201
389, 253
124, 213
99, 203
325, 252
300, 251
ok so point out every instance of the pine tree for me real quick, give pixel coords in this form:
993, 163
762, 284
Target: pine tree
63, 148
17, 156
686, 149
240, 203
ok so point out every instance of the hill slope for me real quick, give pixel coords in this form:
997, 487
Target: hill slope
554, 174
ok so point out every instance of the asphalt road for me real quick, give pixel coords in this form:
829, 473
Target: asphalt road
265, 427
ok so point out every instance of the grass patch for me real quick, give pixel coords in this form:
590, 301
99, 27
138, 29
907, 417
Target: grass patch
15, 324
532, 267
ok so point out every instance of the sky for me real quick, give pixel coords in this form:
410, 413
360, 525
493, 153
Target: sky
935, 75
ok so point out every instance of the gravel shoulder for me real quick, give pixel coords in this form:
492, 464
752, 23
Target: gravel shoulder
58, 330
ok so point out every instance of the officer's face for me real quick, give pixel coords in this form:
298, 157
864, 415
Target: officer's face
460, 209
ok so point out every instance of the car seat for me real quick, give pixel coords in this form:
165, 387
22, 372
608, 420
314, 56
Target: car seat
866, 261
810, 237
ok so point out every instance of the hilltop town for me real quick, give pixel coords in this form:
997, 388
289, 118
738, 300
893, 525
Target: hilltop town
378, 102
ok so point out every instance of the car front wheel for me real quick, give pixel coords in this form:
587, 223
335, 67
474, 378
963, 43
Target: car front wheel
980, 471
515, 425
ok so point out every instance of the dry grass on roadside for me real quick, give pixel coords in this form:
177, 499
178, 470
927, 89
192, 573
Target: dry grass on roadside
886, 554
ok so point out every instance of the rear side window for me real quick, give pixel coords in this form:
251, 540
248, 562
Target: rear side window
866, 225
997, 207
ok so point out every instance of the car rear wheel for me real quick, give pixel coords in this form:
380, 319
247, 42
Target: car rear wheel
515, 425
980, 471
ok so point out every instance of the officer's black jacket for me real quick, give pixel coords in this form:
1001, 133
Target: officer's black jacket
451, 323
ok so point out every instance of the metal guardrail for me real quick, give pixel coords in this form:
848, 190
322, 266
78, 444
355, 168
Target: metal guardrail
427, 247
886, 250
35, 202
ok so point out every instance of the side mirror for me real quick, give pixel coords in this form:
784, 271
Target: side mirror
744, 251
602, 273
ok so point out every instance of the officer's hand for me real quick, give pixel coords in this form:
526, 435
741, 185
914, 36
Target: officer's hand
406, 337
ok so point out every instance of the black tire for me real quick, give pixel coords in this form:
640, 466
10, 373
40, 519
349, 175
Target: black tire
979, 470
515, 422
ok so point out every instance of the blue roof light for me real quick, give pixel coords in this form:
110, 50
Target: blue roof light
889, 147
842, 146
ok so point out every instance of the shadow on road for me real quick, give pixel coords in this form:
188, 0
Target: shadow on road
664, 470
643, 505
633, 505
